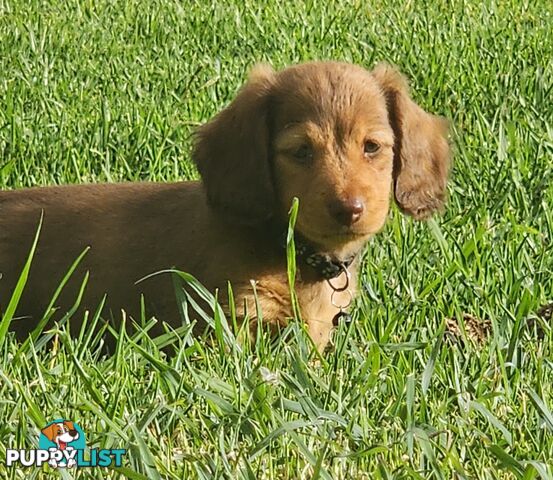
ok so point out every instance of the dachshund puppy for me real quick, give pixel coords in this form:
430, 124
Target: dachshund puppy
341, 139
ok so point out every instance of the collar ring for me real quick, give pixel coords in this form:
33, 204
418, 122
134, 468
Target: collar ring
344, 287
341, 307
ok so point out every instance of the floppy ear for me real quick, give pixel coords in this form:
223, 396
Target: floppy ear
232, 152
421, 149
50, 431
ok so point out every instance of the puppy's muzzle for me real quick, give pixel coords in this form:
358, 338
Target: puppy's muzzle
347, 211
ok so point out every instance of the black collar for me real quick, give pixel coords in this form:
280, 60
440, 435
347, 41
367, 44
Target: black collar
324, 264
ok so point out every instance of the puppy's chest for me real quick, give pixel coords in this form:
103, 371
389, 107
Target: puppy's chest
322, 301
319, 302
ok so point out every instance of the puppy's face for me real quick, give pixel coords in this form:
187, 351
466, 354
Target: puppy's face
64, 432
336, 136
332, 147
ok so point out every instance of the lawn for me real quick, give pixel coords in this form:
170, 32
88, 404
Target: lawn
446, 370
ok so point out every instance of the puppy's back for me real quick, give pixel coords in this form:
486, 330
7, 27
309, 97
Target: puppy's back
129, 229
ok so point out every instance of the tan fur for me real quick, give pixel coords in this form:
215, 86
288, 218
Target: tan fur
422, 162
218, 230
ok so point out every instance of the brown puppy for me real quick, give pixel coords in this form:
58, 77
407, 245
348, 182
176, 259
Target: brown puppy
336, 136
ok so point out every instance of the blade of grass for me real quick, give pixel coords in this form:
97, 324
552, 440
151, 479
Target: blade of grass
20, 285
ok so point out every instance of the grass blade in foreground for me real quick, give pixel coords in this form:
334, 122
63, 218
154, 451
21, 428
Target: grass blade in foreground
14, 301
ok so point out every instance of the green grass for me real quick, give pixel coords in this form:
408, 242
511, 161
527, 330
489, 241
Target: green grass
108, 91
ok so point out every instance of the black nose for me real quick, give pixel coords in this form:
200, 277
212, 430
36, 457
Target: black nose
347, 211
73, 433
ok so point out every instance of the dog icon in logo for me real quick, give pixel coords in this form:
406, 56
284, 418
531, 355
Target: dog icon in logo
62, 438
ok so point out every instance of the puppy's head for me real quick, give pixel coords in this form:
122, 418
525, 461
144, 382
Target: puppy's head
64, 431
336, 136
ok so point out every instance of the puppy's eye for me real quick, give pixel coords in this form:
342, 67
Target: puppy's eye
370, 148
303, 154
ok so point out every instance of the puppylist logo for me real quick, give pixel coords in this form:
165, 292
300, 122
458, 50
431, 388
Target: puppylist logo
62, 444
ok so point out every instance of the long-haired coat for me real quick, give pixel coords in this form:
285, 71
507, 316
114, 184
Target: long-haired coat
341, 139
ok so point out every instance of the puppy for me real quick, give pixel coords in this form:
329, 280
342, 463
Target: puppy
61, 433
341, 139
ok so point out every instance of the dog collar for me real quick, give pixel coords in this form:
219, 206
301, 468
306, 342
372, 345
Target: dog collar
324, 264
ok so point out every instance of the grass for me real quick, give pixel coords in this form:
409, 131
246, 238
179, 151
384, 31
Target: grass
109, 91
